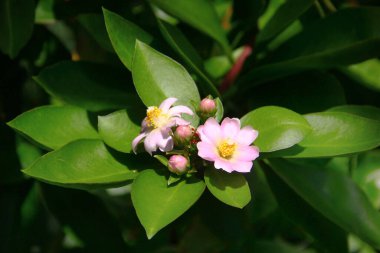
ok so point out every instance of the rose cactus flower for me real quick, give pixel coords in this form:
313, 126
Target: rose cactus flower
156, 126
228, 146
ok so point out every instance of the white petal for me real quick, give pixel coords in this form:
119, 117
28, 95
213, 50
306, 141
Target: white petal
137, 140
179, 109
151, 141
167, 103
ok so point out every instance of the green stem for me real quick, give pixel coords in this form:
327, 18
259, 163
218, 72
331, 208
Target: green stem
320, 9
329, 5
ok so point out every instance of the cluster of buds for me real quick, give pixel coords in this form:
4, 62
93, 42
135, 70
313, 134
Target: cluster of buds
187, 149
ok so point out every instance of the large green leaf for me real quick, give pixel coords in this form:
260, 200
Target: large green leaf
158, 204
55, 126
199, 14
119, 128
336, 133
84, 164
327, 234
366, 111
186, 51
16, 25
335, 196
283, 17
278, 127
230, 188
366, 73
345, 37
92, 86
86, 216
157, 77
123, 35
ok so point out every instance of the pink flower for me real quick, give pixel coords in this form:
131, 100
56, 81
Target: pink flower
156, 126
177, 164
228, 146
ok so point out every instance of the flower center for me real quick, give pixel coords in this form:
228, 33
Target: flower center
226, 149
155, 117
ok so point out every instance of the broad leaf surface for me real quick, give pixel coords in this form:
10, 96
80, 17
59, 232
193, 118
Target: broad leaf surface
366, 73
123, 35
278, 127
335, 196
366, 111
84, 164
55, 126
16, 25
230, 188
158, 204
93, 86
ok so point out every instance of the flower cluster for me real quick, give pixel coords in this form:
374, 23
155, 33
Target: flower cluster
227, 146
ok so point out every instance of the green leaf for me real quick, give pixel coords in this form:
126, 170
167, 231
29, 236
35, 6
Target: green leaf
94, 24
219, 110
335, 196
123, 35
87, 217
278, 127
72, 81
283, 17
119, 128
198, 13
345, 37
366, 111
311, 91
366, 73
55, 126
230, 188
336, 133
157, 77
186, 51
16, 25
327, 234
158, 204
84, 164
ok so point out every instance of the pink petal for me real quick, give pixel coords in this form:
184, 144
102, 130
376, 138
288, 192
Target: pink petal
137, 140
177, 110
223, 164
242, 166
166, 144
212, 131
246, 135
206, 151
181, 122
165, 105
246, 153
151, 140
230, 127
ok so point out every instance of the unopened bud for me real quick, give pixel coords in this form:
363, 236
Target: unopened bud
183, 134
207, 106
177, 164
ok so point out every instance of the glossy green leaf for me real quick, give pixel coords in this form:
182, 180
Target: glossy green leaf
367, 175
230, 188
219, 110
311, 91
348, 36
72, 82
84, 164
366, 73
366, 111
86, 216
278, 127
218, 66
123, 35
16, 25
55, 126
327, 234
94, 24
336, 133
157, 77
283, 17
119, 128
158, 204
27, 152
335, 196
187, 52
198, 13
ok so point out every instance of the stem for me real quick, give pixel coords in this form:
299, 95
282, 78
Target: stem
329, 5
320, 9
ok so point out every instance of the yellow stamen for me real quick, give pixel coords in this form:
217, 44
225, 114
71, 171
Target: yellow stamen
154, 117
226, 149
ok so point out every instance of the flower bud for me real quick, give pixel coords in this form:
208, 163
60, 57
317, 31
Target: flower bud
177, 164
207, 106
183, 134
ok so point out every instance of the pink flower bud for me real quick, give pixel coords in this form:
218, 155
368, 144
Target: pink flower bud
207, 105
177, 164
183, 133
